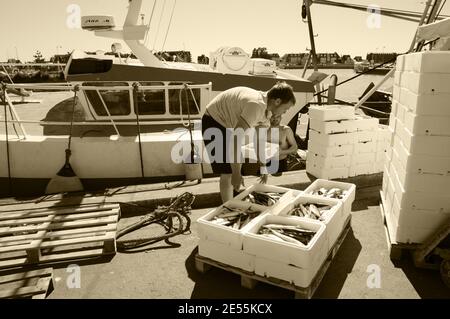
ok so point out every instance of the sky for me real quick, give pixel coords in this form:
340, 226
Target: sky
202, 26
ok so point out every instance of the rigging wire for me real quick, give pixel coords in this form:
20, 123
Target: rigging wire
439, 12
159, 25
168, 27
149, 22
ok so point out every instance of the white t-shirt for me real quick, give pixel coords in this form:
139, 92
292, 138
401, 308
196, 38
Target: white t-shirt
229, 106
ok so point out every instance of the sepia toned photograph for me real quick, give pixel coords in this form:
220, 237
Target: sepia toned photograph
213, 150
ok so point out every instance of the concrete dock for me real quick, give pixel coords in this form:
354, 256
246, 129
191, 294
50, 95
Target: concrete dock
164, 271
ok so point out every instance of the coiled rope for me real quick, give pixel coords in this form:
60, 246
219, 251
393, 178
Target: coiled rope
173, 218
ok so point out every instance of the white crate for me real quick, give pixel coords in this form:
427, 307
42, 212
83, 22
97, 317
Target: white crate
380, 156
365, 123
331, 127
421, 182
382, 146
388, 155
348, 199
363, 158
397, 77
427, 125
226, 255
411, 193
422, 163
426, 83
377, 167
367, 147
383, 133
426, 145
427, 62
415, 226
264, 188
400, 112
327, 173
307, 257
426, 104
361, 169
331, 112
298, 276
209, 231
332, 139
396, 93
330, 151
334, 220
365, 136
328, 162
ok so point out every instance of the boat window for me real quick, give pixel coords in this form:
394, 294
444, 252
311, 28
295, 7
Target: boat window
117, 101
151, 101
89, 65
174, 100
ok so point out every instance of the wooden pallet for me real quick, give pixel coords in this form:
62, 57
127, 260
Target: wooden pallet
250, 279
35, 284
396, 250
42, 235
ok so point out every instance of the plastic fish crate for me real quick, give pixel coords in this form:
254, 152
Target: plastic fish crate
327, 173
334, 221
421, 182
365, 123
421, 163
428, 200
331, 112
288, 194
365, 136
426, 83
423, 144
415, 225
425, 104
367, 147
427, 62
330, 151
383, 133
377, 167
361, 169
333, 139
328, 162
209, 231
310, 256
382, 146
300, 277
427, 125
363, 158
380, 156
348, 199
225, 254
331, 127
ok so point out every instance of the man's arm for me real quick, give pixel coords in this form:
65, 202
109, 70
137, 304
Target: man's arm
291, 141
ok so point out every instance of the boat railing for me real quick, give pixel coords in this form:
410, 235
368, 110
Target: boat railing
109, 121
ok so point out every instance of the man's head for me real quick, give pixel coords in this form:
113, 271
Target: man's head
280, 98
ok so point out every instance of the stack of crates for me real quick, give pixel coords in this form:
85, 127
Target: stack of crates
343, 144
268, 257
416, 180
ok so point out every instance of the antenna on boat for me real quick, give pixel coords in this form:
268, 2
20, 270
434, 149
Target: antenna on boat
131, 33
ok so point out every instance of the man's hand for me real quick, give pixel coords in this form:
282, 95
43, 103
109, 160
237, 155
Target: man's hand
263, 179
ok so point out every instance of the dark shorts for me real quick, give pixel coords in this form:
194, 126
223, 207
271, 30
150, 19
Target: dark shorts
219, 159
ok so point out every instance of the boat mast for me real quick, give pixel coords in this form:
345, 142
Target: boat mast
307, 4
